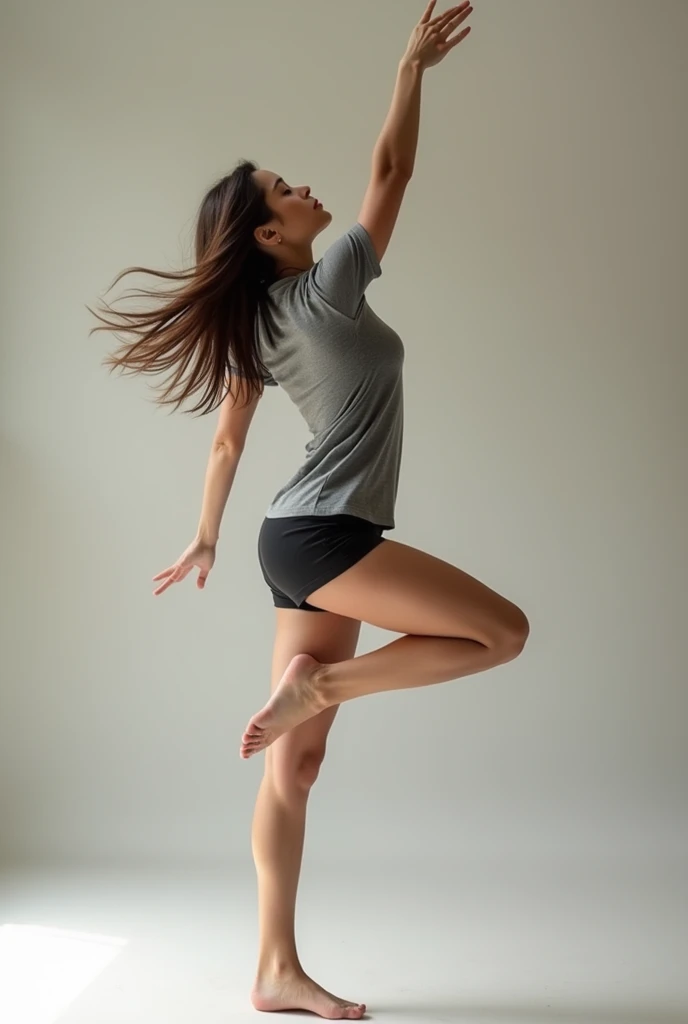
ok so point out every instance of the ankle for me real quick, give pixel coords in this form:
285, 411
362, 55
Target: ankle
279, 965
323, 685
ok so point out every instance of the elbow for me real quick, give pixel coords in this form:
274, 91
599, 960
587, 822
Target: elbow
389, 166
401, 172
228, 446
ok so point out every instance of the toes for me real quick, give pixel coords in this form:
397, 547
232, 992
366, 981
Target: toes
255, 739
251, 746
350, 1011
252, 739
248, 748
253, 731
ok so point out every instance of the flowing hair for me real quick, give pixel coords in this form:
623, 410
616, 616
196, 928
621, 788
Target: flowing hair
196, 326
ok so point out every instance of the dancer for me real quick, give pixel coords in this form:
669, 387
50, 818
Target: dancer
256, 310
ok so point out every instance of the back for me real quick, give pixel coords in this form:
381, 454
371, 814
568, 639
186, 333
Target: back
341, 365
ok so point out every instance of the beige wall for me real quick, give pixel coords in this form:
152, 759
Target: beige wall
537, 277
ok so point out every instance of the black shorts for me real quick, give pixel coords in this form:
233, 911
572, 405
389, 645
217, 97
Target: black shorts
299, 554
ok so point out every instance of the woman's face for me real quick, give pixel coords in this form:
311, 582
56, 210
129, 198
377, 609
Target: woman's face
300, 219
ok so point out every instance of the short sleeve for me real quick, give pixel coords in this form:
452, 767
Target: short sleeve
268, 379
342, 274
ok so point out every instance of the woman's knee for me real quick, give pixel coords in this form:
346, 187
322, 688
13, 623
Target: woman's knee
510, 633
308, 768
296, 774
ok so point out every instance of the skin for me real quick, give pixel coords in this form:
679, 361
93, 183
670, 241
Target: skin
288, 238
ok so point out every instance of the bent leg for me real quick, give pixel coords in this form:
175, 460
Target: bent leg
455, 626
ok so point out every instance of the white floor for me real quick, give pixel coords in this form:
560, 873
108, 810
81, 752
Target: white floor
494, 944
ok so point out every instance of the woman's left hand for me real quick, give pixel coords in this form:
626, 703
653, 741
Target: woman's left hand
199, 553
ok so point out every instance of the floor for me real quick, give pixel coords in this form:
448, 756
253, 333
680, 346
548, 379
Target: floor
482, 943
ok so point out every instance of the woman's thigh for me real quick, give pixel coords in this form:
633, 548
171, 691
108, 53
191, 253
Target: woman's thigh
326, 636
405, 590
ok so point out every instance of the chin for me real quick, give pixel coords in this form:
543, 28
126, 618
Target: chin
325, 222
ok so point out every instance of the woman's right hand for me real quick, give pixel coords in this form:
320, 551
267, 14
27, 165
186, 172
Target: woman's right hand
428, 44
198, 554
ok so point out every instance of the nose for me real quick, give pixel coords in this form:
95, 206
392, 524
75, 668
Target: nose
307, 195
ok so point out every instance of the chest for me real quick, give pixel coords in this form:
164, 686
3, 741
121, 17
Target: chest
377, 344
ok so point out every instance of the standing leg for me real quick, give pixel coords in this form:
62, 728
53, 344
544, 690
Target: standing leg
291, 767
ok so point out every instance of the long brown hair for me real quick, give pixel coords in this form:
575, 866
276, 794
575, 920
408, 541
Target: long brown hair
211, 319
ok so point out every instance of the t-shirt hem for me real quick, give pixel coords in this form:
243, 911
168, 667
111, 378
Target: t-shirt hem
332, 510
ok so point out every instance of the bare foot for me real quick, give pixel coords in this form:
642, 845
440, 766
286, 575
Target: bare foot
299, 992
297, 697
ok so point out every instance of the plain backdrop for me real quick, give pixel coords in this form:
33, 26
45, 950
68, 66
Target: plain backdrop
537, 276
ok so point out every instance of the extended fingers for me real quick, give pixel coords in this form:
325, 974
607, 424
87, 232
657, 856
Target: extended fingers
428, 12
163, 587
165, 572
461, 36
459, 16
460, 10
174, 574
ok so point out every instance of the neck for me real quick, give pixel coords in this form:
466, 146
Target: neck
303, 254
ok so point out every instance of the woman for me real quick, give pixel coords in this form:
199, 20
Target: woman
321, 545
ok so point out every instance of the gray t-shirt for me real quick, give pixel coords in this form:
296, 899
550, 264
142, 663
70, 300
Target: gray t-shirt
341, 365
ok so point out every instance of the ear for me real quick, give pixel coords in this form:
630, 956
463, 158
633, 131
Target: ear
266, 236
